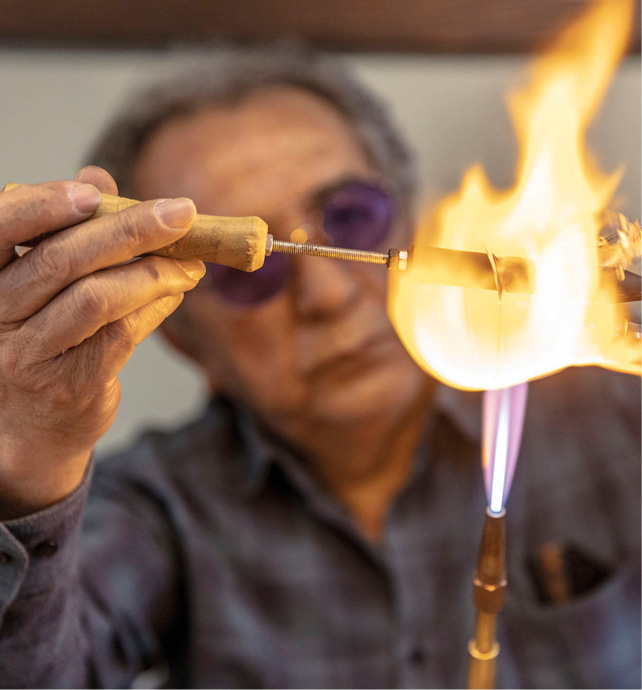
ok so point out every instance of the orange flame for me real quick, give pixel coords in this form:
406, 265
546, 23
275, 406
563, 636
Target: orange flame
481, 339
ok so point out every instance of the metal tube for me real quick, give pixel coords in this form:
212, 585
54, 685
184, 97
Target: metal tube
483, 651
485, 632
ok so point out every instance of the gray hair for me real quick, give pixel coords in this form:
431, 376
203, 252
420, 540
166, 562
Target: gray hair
230, 77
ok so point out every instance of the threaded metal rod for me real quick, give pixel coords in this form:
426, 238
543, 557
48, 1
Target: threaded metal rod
366, 257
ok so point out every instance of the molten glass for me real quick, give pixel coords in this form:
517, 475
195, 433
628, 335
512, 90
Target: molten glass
477, 339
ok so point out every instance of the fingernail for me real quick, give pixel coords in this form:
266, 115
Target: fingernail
176, 213
85, 197
86, 168
194, 269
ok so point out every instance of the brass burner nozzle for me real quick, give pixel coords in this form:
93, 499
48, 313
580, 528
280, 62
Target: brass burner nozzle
489, 589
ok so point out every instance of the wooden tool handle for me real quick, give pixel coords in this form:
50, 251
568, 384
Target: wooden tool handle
238, 242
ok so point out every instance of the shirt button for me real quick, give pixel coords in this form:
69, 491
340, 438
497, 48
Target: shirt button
416, 655
5, 558
45, 549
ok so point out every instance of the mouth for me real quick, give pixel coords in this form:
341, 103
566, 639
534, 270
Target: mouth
353, 358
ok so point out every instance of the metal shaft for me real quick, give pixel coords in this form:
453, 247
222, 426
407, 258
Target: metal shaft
483, 650
282, 247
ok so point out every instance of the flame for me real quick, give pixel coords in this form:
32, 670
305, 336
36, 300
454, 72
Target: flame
481, 339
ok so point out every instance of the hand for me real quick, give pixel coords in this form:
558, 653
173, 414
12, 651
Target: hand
71, 313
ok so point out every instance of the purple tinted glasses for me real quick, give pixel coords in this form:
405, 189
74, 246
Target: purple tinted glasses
355, 214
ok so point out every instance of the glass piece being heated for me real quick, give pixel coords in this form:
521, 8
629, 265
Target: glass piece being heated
503, 419
455, 267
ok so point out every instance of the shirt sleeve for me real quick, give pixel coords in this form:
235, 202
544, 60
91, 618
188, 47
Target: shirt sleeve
86, 588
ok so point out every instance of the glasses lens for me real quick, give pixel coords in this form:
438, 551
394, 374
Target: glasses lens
358, 215
244, 289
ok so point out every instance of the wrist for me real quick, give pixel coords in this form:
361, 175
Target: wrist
27, 487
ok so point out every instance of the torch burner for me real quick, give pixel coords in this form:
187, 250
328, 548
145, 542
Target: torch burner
489, 591
503, 421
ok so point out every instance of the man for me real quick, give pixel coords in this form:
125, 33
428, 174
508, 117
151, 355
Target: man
318, 526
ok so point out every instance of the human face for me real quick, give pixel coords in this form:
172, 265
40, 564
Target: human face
323, 349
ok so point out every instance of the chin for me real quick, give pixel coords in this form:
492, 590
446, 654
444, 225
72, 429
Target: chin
381, 393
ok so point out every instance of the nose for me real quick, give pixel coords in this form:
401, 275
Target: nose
322, 287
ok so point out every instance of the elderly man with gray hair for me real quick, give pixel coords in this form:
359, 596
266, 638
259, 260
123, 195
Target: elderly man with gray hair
318, 525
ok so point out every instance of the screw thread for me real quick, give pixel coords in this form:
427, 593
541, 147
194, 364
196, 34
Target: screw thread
366, 257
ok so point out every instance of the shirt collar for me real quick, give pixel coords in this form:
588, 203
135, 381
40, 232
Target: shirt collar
259, 448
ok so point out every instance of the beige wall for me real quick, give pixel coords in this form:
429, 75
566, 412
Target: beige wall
452, 110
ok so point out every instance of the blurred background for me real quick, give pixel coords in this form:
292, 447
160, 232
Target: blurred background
443, 66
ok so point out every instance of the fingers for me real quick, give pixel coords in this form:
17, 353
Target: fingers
72, 310
32, 210
80, 378
106, 353
29, 283
103, 298
101, 179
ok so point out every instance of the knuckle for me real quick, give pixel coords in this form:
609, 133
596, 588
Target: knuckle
153, 267
121, 338
10, 359
137, 224
162, 307
132, 230
89, 298
64, 395
50, 261
45, 202
168, 305
122, 331
72, 381
19, 369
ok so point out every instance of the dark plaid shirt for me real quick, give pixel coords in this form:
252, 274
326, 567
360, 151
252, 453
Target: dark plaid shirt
211, 555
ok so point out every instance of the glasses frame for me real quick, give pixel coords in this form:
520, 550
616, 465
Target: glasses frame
314, 212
